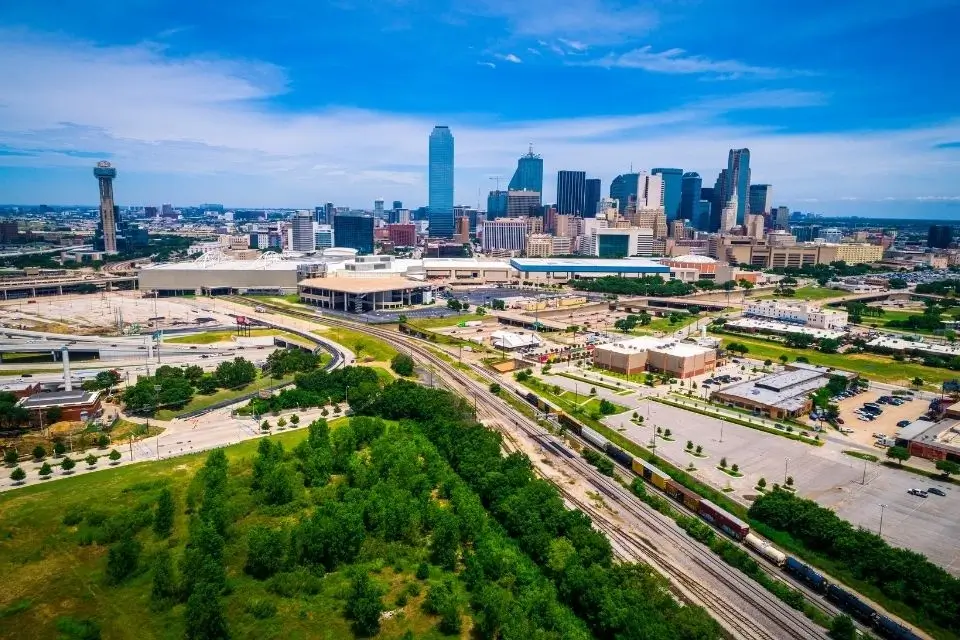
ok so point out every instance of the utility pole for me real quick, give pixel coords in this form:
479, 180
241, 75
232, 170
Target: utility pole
880, 532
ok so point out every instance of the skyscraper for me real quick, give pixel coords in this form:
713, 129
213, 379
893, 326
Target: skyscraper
622, 187
672, 186
440, 179
355, 232
378, 208
738, 181
690, 187
571, 192
939, 236
650, 192
496, 204
592, 198
397, 205
105, 175
781, 219
761, 198
303, 237
529, 174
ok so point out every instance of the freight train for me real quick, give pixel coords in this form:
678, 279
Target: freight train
740, 531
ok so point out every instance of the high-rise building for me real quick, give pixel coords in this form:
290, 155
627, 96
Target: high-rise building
754, 225
522, 203
781, 219
737, 182
672, 191
462, 231
105, 175
592, 199
496, 204
9, 231
690, 187
571, 192
529, 174
505, 234
718, 199
354, 232
320, 215
323, 236
397, 205
304, 239
378, 208
650, 192
761, 198
623, 188
939, 236
728, 215
440, 196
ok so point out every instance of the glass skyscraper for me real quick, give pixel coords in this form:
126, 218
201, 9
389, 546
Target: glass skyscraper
571, 192
355, 232
690, 187
622, 187
592, 199
738, 181
672, 185
440, 180
529, 174
761, 198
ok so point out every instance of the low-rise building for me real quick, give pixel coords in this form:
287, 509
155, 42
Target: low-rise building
645, 353
805, 313
780, 395
74, 405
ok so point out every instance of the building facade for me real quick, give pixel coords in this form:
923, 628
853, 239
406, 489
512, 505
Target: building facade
355, 232
440, 181
623, 188
593, 195
690, 187
737, 182
672, 180
529, 174
761, 198
302, 233
505, 234
805, 313
571, 192
522, 203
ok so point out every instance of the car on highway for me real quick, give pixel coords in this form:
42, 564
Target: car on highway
936, 491
918, 492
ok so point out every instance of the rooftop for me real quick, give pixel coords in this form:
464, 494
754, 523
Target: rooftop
788, 390
59, 399
595, 265
362, 285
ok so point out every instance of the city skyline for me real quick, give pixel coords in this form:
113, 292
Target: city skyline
200, 110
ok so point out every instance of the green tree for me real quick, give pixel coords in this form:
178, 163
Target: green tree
204, 614
103, 441
11, 457
917, 382
266, 552
784, 358
163, 514
842, 628
900, 454
762, 483
91, 460
445, 539
364, 604
494, 387
948, 467
294, 419
723, 463
59, 449
164, 586
114, 456
39, 453
18, 475
54, 414
45, 470
68, 464
123, 560
423, 571
607, 408
402, 364
442, 600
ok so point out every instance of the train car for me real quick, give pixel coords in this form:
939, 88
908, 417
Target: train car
618, 454
569, 423
851, 603
805, 573
594, 438
680, 493
894, 630
727, 522
765, 549
650, 473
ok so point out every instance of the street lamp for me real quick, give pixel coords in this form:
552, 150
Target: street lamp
786, 465
882, 507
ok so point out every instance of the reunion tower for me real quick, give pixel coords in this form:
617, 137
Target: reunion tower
105, 175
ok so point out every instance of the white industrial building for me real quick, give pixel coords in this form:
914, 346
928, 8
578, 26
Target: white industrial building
805, 313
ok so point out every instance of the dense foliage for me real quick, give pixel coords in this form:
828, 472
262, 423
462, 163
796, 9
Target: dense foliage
645, 286
318, 388
11, 414
402, 364
946, 287
175, 386
902, 575
283, 362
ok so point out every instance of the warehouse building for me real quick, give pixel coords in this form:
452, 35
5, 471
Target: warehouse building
802, 313
75, 404
678, 359
781, 395
358, 295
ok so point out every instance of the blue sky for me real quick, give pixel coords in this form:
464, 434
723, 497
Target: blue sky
849, 108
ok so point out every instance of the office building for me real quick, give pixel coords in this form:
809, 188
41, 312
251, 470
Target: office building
691, 186
833, 235
781, 395
623, 189
323, 236
803, 313
355, 232
672, 181
529, 174
705, 215
761, 198
754, 225
378, 210
440, 179
652, 218
522, 203
496, 204
468, 213
9, 231
622, 243
397, 205
736, 182
592, 198
105, 175
505, 234
781, 219
402, 235
539, 246
939, 236
571, 192
320, 215
660, 355
718, 201
650, 192
728, 215
303, 236
461, 233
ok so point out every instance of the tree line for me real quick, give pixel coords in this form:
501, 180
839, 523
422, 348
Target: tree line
643, 286
175, 386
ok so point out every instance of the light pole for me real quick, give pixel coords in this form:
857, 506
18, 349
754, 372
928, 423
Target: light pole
880, 532
786, 465
721, 431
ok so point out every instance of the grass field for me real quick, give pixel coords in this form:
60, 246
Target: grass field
663, 325
202, 402
210, 337
363, 346
449, 321
812, 292
873, 367
47, 575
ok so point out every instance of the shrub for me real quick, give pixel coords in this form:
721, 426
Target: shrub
39, 453
423, 571
114, 456
122, 560
45, 470
91, 460
67, 464
402, 364
18, 475
261, 609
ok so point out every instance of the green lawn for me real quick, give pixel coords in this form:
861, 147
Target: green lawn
873, 367
812, 292
881, 322
202, 402
210, 337
449, 321
364, 346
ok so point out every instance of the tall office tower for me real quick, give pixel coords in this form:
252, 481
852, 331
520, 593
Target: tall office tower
781, 219
320, 215
622, 188
330, 210
440, 197
651, 218
354, 232
505, 234
592, 198
522, 203
529, 174
718, 200
650, 192
728, 215
738, 181
496, 204
303, 237
462, 232
105, 175
761, 198
690, 187
939, 236
678, 229
397, 205
705, 215
378, 208
754, 225
571, 192
672, 191
323, 236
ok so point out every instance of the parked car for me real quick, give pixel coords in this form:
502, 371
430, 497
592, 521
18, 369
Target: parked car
935, 491
917, 492
903, 423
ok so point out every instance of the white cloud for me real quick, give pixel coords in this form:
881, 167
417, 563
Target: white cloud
677, 61
576, 45
202, 129
487, 64
508, 58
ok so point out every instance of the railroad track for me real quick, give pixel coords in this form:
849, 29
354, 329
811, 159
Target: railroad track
769, 617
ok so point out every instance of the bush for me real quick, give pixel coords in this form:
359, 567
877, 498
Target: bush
364, 605
91, 460
261, 609
18, 475
67, 464
114, 456
295, 583
45, 470
73, 629
39, 453
423, 571
266, 552
122, 560
402, 364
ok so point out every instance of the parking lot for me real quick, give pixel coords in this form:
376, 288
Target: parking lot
885, 423
825, 474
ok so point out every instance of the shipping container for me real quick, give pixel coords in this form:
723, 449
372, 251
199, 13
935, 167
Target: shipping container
806, 574
729, 523
765, 549
689, 498
618, 454
650, 473
594, 438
